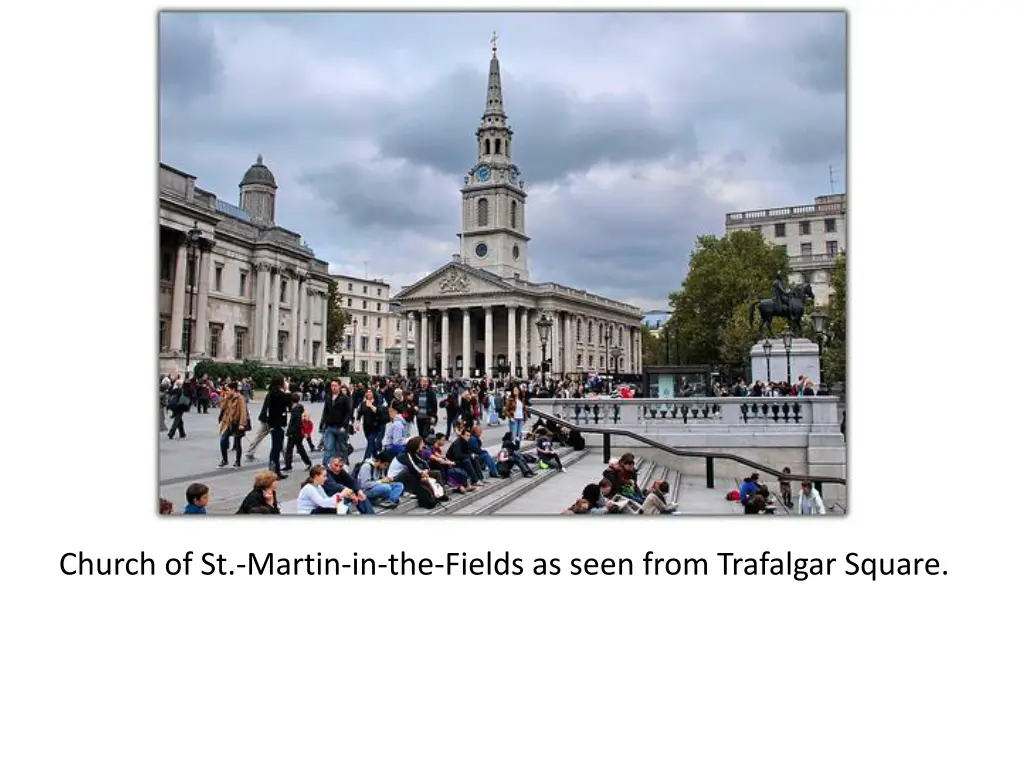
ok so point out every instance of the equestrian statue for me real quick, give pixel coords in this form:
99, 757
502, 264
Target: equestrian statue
785, 304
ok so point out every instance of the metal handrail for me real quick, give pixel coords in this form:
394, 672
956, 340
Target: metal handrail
710, 456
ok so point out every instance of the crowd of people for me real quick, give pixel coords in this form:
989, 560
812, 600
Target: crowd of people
406, 451
618, 491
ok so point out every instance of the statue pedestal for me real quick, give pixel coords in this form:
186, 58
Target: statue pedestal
803, 361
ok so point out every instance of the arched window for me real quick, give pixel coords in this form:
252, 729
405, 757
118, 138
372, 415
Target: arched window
497, 146
481, 212
487, 146
515, 213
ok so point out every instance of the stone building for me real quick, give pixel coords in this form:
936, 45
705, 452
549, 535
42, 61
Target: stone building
813, 236
478, 314
241, 287
375, 334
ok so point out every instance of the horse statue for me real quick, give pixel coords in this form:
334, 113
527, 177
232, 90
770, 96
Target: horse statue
793, 312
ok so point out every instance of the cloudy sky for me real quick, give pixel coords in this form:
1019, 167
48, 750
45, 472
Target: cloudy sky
635, 132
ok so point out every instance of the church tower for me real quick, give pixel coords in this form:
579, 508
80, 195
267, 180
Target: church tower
493, 233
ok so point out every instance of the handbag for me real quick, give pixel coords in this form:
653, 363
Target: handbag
435, 488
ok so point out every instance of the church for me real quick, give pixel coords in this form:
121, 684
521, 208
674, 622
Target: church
478, 314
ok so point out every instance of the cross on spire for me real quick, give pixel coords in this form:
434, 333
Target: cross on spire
494, 42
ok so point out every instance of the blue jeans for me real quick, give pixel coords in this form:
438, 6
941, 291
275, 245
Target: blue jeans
374, 442
487, 461
515, 426
335, 441
385, 491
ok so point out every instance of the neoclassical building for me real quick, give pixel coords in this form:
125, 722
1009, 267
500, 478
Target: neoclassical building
234, 285
478, 314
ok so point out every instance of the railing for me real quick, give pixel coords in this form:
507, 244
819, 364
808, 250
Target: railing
812, 259
792, 210
690, 413
708, 456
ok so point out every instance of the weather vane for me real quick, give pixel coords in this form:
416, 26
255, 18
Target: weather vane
494, 41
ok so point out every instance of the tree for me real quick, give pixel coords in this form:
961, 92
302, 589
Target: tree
652, 347
834, 358
338, 318
725, 277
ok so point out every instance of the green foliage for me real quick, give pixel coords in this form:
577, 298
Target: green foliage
726, 276
834, 358
652, 347
338, 318
259, 374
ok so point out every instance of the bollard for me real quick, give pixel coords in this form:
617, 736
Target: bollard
710, 471
607, 444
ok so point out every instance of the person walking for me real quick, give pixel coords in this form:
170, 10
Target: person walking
234, 421
178, 402
425, 401
294, 434
334, 423
250, 454
278, 403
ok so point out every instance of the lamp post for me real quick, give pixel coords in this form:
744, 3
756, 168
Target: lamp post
767, 347
820, 322
192, 239
544, 333
787, 340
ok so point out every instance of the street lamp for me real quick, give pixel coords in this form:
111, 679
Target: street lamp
820, 322
767, 347
544, 333
192, 239
787, 340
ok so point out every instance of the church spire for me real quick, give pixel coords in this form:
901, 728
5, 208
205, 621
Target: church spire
494, 113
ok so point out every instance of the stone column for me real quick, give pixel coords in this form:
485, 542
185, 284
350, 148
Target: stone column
424, 342
524, 351
323, 329
275, 310
203, 297
511, 354
567, 364
467, 365
307, 322
445, 341
639, 351
535, 350
259, 336
178, 299
488, 340
403, 352
292, 354
556, 348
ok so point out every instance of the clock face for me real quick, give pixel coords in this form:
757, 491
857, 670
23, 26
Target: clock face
481, 249
483, 173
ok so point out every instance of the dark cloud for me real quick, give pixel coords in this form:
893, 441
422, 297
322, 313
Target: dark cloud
820, 58
189, 64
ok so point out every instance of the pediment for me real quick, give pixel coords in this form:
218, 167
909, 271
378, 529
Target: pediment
454, 280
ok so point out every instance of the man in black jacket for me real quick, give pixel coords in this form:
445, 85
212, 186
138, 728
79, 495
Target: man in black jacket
334, 422
425, 403
459, 452
338, 480
278, 404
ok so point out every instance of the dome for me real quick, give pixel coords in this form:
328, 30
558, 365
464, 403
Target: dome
259, 174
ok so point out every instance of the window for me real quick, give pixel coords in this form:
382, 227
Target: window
497, 146
378, 322
481, 212
362, 366
805, 227
377, 345
590, 338
780, 229
348, 301
830, 225
378, 304
364, 303
218, 277
378, 293
600, 362
350, 287
364, 344
805, 249
398, 325
756, 228
240, 334
186, 334
282, 344
515, 213
376, 367
364, 320
243, 279
590, 361
214, 350
620, 337
365, 289
163, 333
348, 342
579, 361
832, 247
166, 268
579, 334
316, 352
487, 146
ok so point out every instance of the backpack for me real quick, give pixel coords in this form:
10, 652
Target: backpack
355, 474
576, 441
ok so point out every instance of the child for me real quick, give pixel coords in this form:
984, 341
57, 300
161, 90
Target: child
198, 496
784, 489
307, 428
